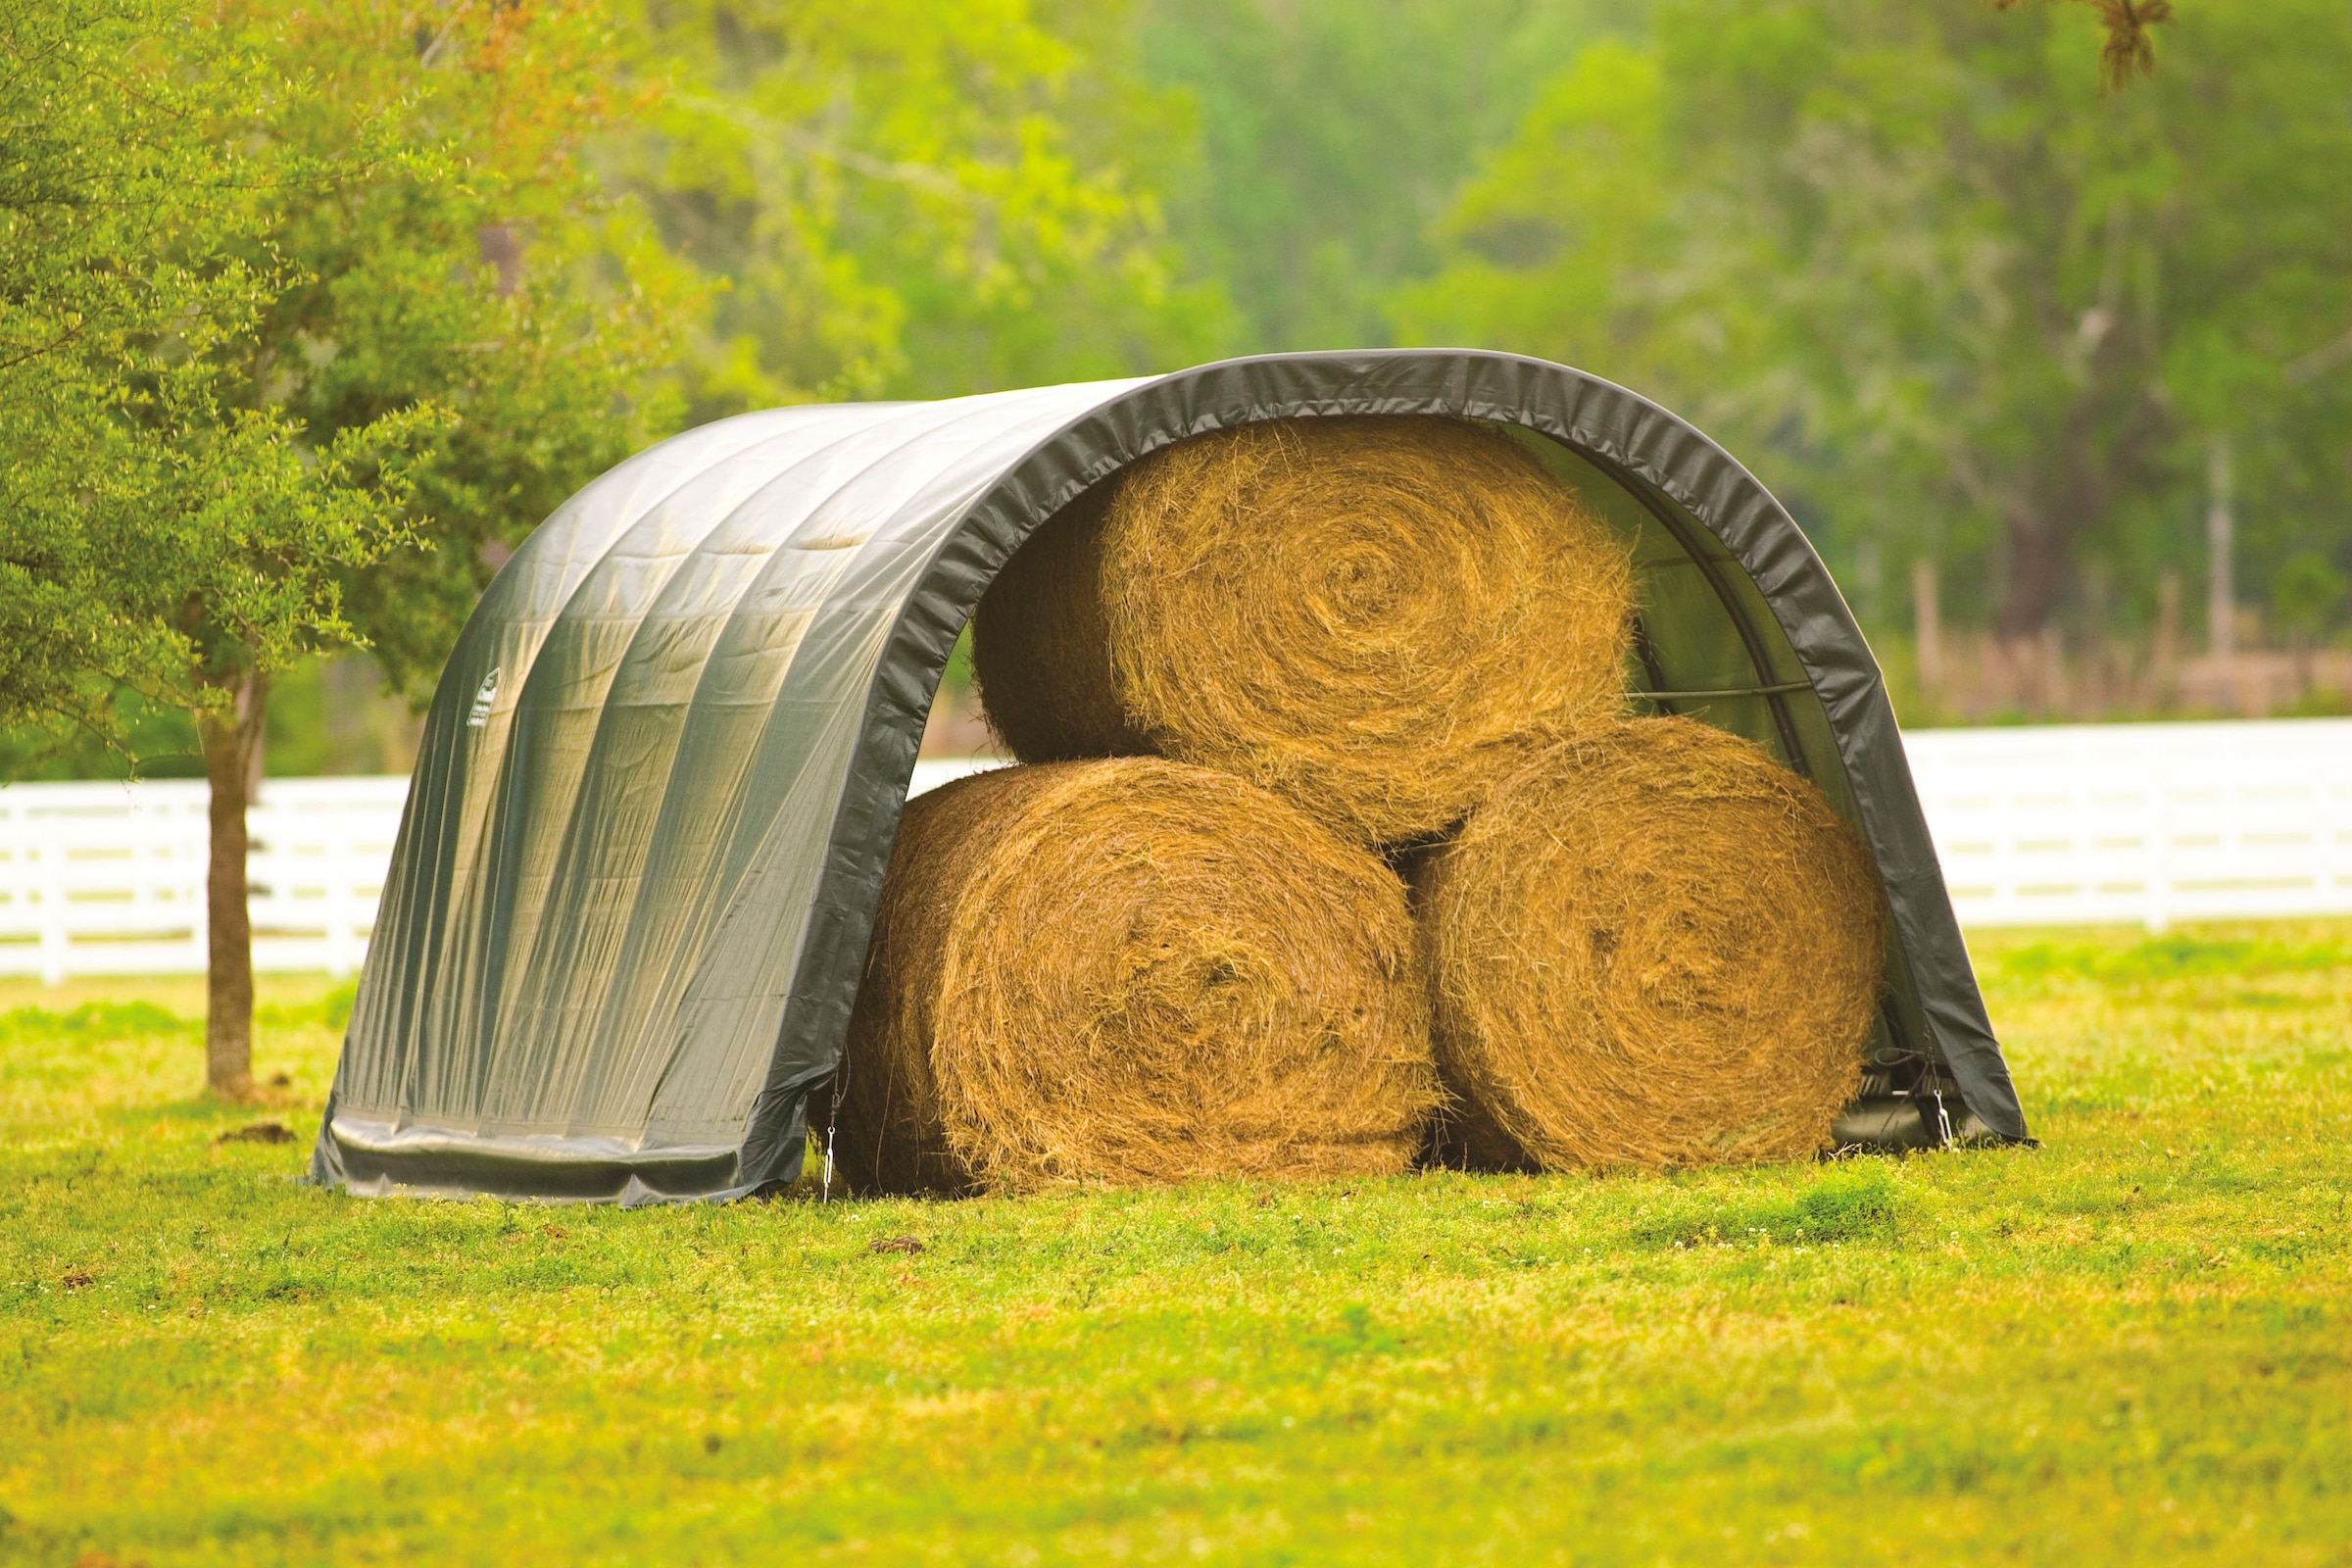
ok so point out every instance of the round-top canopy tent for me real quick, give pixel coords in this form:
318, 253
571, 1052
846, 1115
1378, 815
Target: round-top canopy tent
628, 909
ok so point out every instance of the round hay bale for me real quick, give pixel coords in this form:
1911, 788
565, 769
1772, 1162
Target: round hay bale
1355, 612
1131, 971
1041, 648
1652, 946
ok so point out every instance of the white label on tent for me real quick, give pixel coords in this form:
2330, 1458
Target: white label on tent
483, 699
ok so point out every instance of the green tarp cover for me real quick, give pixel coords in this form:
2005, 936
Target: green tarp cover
627, 912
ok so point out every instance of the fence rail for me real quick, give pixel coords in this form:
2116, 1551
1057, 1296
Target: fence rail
109, 878
2061, 825
2083, 825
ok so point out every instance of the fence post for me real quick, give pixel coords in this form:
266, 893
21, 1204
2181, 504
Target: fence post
339, 822
49, 859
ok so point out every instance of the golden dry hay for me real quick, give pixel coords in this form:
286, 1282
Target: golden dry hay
1358, 614
1131, 971
1652, 946
1040, 650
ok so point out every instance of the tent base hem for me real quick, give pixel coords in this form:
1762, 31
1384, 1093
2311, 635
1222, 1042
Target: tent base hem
375, 1159
372, 1159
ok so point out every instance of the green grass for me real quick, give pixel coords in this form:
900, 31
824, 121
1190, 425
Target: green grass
2131, 1345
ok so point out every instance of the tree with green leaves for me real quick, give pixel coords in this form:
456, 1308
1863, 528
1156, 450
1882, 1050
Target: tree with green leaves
479, 266
468, 261
446, 300
319, 312
161, 529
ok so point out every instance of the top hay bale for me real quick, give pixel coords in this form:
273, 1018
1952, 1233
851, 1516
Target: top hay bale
1359, 613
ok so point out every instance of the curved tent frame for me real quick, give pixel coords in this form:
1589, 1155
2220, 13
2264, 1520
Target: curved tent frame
628, 907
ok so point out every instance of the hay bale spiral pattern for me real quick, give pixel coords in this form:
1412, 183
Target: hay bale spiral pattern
1358, 614
1652, 946
1131, 971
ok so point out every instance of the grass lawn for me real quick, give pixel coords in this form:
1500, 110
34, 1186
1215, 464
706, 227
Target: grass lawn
2133, 1344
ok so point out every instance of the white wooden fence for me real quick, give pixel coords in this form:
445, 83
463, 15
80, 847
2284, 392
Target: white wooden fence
2062, 825
109, 878
2082, 824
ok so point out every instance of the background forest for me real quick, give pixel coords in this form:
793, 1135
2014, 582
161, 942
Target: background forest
2014, 343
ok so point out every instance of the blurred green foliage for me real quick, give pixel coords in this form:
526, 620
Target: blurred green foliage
1332, 138
1947, 292
1948, 295
324, 716
908, 199
2307, 589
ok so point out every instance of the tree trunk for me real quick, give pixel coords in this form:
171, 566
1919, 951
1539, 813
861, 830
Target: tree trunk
2168, 639
232, 763
2040, 553
2221, 589
1927, 622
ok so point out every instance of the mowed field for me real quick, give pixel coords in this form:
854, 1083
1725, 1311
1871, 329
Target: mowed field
2130, 1345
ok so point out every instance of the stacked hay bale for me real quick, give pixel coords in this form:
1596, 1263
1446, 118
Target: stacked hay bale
1131, 970
1308, 652
1653, 945
1365, 616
